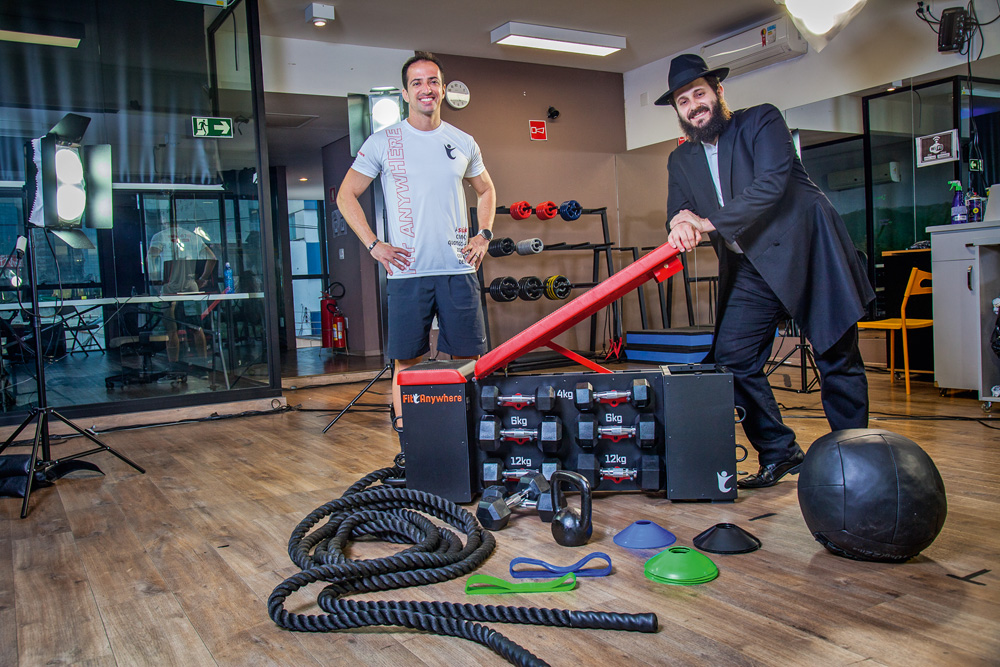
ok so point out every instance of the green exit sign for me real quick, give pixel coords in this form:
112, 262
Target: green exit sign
212, 128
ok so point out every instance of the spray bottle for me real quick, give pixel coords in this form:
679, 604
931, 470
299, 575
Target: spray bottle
974, 206
230, 285
959, 213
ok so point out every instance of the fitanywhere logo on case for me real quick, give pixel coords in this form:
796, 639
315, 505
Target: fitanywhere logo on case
431, 400
724, 478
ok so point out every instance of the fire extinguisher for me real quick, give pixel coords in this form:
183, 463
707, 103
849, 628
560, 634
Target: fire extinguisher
333, 322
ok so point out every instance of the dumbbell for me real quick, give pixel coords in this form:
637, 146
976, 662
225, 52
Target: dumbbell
548, 435
544, 399
619, 474
546, 210
557, 287
530, 246
588, 431
530, 288
502, 247
504, 289
493, 472
549, 466
543, 505
651, 474
570, 210
493, 510
640, 396
520, 211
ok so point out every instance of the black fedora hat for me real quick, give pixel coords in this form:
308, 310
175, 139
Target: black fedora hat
684, 69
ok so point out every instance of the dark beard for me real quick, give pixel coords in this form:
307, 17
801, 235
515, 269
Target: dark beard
711, 131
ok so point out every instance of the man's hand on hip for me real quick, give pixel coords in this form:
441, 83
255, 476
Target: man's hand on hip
475, 251
390, 256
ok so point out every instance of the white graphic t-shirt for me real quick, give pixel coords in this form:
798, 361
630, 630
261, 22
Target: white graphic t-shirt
422, 176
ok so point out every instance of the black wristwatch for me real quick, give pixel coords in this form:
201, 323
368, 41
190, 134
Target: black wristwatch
486, 234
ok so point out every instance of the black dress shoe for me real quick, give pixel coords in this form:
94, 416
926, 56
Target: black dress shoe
770, 474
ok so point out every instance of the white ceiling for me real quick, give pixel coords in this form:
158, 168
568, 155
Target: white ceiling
653, 29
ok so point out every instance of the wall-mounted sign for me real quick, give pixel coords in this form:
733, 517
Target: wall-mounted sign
938, 147
537, 129
212, 128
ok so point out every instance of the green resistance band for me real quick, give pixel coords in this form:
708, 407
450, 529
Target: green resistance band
483, 584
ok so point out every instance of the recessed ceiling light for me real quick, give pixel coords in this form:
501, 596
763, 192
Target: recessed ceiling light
303, 179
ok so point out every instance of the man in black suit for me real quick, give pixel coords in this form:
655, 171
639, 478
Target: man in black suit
783, 250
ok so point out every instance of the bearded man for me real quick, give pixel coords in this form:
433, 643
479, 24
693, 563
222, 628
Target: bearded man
783, 251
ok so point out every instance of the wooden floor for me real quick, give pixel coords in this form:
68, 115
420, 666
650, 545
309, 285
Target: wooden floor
174, 567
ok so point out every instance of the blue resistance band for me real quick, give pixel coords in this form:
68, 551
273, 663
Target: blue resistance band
550, 571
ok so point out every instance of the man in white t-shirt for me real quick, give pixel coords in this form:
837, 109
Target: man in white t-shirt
430, 260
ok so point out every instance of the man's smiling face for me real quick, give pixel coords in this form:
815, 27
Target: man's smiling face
701, 110
424, 88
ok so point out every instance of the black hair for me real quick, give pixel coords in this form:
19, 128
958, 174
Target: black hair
417, 57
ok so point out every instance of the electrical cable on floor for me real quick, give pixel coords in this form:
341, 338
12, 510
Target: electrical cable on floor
276, 409
883, 416
437, 555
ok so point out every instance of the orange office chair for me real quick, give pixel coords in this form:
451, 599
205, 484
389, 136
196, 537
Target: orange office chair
915, 286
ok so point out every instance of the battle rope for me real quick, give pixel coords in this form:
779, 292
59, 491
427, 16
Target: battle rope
437, 555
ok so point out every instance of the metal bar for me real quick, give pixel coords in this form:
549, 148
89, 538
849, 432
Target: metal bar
570, 354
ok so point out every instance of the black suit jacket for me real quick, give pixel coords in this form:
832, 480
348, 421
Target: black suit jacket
787, 227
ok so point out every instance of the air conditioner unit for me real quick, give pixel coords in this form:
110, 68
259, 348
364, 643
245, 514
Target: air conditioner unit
887, 172
769, 43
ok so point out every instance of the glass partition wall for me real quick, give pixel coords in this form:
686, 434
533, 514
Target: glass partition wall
903, 199
168, 308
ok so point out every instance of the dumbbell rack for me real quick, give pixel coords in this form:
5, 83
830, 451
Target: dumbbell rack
597, 248
470, 424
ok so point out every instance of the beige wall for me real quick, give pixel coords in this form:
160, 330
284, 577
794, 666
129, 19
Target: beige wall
584, 159
577, 162
642, 188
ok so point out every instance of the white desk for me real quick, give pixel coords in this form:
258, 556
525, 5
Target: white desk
965, 261
90, 304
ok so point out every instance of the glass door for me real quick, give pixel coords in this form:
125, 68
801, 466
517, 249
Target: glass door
309, 272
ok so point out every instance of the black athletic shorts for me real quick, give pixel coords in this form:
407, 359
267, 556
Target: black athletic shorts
413, 303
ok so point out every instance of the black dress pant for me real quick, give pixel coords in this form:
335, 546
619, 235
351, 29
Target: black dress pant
743, 345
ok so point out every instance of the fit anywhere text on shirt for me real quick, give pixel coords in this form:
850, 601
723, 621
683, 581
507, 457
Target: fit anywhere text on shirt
421, 174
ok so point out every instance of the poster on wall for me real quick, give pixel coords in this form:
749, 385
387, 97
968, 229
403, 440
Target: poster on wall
937, 148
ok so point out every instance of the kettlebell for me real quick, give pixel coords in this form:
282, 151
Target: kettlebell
570, 528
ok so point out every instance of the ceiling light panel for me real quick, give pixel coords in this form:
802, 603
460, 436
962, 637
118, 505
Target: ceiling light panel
556, 39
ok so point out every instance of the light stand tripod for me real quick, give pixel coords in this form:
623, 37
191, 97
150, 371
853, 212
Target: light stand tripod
806, 361
45, 464
371, 407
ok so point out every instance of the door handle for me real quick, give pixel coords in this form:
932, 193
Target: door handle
968, 278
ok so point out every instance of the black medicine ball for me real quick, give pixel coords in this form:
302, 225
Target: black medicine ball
870, 494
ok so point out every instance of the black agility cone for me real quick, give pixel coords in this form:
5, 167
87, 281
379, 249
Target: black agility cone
726, 538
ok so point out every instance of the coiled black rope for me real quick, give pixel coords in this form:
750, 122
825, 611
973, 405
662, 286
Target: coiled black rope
437, 554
